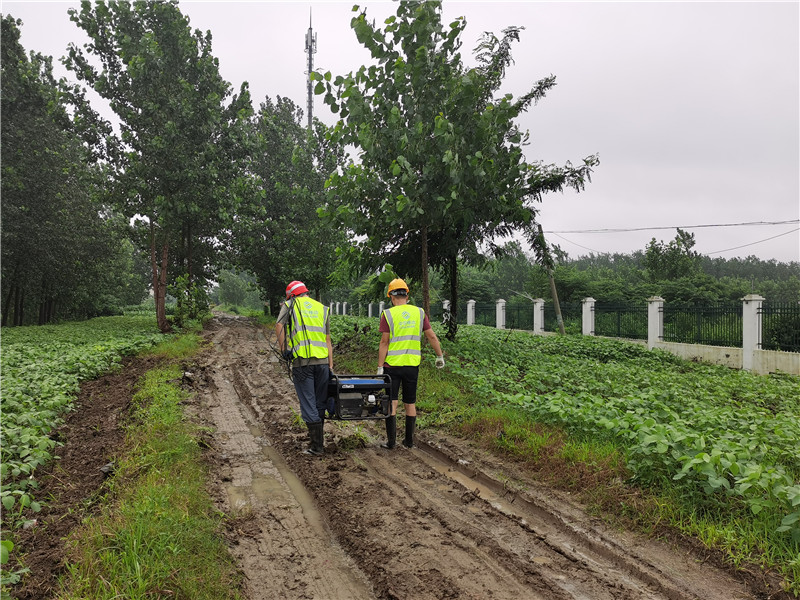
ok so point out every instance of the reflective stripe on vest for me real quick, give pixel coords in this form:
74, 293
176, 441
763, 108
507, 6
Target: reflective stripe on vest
405, 335
307, 334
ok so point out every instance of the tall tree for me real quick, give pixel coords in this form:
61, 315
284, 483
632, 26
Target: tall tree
176, 159
440, 168
279, 236
60, 247
671, 260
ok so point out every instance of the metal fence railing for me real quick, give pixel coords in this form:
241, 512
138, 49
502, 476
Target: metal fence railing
571, 314
621, 320
780, 326
519, 317
712, 325
486, 314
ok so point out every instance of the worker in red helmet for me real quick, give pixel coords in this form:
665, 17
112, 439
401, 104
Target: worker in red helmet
304, 338
400, 354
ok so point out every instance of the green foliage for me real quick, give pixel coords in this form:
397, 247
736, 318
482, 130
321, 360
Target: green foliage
277, 235
41, 370
64, 254
178, 163
672, 260
191, 301
722, 438
162, 531
440, 170
237, 289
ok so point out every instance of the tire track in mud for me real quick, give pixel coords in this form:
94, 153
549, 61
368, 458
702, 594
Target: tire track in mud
416, 524
279, 539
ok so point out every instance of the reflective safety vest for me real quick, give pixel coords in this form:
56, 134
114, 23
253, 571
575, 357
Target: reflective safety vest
405, 335
306, 335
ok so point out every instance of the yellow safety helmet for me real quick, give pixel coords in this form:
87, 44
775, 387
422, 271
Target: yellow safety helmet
397, 284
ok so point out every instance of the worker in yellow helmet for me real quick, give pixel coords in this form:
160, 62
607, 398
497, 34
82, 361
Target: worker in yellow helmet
400, 354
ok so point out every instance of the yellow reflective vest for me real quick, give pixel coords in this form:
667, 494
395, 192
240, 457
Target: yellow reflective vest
405, 335
306, 335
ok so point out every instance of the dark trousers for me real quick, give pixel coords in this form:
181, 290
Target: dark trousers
311, 385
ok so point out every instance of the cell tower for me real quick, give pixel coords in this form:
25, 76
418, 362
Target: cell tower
311, 50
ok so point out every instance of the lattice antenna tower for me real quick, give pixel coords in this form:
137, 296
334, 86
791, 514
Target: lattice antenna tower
311, 50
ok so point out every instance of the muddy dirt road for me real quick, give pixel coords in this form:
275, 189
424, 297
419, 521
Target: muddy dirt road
442, 520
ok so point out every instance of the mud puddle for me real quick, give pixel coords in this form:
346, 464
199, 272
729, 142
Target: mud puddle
438, 521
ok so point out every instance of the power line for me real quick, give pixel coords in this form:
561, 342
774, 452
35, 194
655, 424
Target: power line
574, 244
754, 243
705, 253
624, 229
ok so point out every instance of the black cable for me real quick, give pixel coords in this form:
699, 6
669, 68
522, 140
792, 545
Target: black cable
754, 243
624, 229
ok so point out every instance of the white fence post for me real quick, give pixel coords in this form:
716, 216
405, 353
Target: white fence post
445, 310
380, 307
470, 312
655, 321
338, 308
587, 316
369, 310
538, 315
330, 307
751, 328
344, 308
500, 316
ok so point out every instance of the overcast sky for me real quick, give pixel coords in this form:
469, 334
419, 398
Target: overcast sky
693, 107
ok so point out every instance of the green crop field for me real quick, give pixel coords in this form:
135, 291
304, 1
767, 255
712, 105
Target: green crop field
41, 368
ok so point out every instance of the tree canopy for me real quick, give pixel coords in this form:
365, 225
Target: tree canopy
440, 173
178, 159
64, 254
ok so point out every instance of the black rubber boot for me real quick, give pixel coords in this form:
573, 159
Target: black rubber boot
315, 433
411, 423
391, 432
321, 437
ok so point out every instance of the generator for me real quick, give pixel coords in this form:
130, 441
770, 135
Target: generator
359, 397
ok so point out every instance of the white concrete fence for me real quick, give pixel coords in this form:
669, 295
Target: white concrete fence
749, 357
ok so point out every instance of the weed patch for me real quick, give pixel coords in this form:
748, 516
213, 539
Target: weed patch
161, 535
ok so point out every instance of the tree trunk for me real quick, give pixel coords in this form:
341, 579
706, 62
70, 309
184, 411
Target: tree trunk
43, 304
189, 252
426, 293
161, 311
159, 280
7, 305
19, 303
452, 322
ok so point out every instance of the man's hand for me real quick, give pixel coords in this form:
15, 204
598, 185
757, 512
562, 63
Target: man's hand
440, 362
380, 371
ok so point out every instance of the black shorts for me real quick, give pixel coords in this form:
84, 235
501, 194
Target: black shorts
408, 377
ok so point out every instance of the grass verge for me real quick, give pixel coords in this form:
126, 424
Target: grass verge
160, 535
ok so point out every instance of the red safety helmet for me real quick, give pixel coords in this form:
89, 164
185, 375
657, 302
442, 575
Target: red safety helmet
295, 289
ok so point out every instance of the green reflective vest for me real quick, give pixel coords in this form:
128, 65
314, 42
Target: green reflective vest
306, 335
405, 335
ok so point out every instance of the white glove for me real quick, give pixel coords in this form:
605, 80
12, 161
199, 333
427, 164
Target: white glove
440, 362
380, 371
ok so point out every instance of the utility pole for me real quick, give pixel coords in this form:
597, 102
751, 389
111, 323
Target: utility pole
311, 50
547, 265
